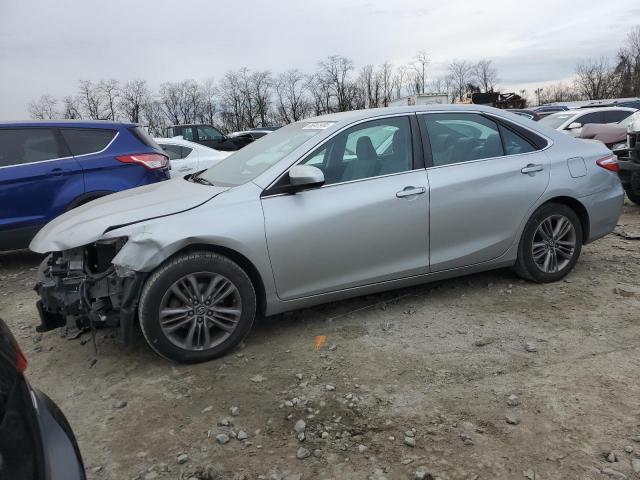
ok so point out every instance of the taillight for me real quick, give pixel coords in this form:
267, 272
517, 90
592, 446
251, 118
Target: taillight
610, 162
150, 161
21, 360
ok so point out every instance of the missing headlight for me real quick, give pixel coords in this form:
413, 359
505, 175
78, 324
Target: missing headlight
98, 255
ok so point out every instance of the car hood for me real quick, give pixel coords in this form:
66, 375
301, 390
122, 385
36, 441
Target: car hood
89, 222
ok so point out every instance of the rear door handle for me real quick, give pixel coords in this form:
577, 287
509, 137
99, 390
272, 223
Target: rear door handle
532, 168
56, 172
410, 192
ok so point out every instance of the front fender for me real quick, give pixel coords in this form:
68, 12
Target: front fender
233, 221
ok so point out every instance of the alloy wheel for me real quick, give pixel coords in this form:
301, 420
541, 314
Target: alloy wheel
554, 243
200, 310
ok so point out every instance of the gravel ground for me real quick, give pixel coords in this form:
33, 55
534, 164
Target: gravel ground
481, 377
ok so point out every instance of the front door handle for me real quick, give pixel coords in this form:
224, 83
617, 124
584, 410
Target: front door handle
532, 168
410, 192
56, 172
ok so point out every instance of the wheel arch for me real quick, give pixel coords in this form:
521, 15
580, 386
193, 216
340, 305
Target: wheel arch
579, 209
87, 197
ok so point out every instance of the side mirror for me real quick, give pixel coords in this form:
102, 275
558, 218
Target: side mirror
574, 125
305, 176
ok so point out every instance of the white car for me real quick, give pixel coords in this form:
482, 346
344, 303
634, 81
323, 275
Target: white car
189, 157
572, 121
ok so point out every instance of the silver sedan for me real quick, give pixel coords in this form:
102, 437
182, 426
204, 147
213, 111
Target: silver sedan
324, 209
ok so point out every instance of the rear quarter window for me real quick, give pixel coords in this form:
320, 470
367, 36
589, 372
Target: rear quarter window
82, 141
144, 138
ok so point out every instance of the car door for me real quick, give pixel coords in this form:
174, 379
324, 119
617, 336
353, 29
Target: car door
38, 180
484, 180
368, 223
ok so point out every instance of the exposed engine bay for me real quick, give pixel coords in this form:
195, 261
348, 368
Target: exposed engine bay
81, 289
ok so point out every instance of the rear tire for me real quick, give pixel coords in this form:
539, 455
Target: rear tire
197, 307
633, 194
550, 244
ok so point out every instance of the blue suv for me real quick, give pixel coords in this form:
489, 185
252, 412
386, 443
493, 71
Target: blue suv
49, 167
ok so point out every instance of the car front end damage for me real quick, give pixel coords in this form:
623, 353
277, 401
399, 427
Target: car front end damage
81, 288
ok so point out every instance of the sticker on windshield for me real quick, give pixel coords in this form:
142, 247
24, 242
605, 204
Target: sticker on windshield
317, 125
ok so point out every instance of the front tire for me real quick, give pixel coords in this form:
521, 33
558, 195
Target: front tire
197, 307
550, 244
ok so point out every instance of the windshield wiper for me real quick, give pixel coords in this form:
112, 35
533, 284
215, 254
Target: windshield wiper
201, 180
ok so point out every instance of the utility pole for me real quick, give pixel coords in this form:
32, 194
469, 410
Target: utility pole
538, 92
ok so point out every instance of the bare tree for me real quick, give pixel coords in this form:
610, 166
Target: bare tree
154, 117
558, 92
171, 99
335, 70
43, 108
71, 108
208, 111
398, 80
261, 84
369, 83
233, 101
91, 100
321, 94
110, 92
292, 104
595, 80
485, 75
420, 66
385, 74
133, 97
460, 76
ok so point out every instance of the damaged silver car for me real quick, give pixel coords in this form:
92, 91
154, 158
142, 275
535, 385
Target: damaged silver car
324, 209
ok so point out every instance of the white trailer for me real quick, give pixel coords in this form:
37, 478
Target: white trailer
420, 99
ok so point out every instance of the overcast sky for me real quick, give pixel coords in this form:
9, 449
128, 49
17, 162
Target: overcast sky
47, 45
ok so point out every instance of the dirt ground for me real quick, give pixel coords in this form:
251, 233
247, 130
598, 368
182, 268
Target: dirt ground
409, 381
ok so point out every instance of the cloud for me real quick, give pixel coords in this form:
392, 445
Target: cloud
45, 47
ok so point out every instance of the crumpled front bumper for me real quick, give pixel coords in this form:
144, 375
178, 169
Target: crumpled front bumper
73, 296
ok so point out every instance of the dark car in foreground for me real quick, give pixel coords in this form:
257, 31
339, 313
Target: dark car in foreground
50, 167
209, 136
36, 441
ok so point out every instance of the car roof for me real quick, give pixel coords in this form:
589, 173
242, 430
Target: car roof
353, 115
67, 123
582, 111
183, 142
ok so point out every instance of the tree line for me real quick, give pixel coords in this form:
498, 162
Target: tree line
247, 98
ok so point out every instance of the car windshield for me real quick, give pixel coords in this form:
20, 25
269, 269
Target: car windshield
630, 119
257, 157
556, 119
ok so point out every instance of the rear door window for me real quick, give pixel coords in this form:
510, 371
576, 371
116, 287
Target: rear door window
615, 116
27, 145
461, 137
82, 141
